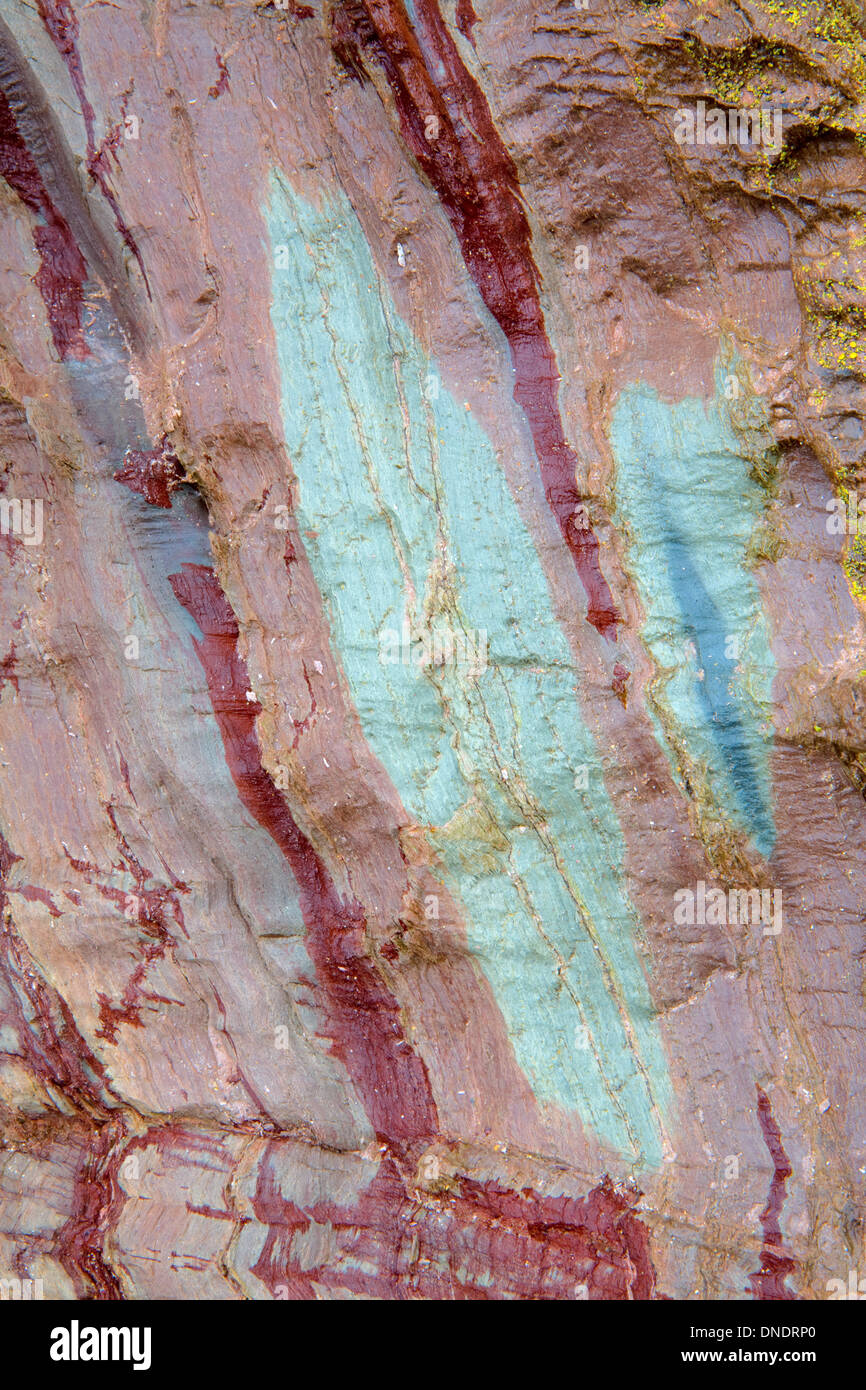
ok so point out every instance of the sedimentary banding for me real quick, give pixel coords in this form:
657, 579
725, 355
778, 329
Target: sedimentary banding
390, 1077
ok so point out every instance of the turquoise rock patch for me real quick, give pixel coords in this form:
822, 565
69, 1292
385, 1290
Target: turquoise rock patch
688, 506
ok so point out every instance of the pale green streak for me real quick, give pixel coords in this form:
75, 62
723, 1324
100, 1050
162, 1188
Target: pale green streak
392, 482
688, 507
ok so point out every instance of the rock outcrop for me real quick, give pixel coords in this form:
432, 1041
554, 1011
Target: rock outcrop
433, 652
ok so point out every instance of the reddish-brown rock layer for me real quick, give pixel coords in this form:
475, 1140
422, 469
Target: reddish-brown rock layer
367, 1033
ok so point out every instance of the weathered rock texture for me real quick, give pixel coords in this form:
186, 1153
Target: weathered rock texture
422, 615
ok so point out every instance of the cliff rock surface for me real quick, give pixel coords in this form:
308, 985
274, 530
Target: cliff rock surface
432, 716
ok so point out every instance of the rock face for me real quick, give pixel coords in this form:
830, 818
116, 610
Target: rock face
433, 648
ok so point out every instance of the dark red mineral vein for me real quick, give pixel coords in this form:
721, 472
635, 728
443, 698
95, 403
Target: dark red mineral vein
40, 895
7, 669
62, 271
55, 1051
619, 683
61, 22
364, 1018
222, 83
59, 1057
149, 908
473, 1240
27, 891
155, 473
776, 1265
79, 1243
447, 124
124, 771
466, 19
